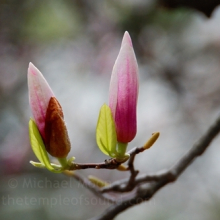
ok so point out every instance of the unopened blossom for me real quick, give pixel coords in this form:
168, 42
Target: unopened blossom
123, 92
47, 114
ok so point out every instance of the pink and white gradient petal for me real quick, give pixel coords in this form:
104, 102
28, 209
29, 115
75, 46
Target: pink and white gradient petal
39, 96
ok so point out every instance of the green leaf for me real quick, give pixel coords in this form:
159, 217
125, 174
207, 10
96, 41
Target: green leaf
37, 143
105, 132
38, 147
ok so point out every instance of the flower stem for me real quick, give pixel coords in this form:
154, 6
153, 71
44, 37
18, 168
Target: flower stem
122, 147
63, 162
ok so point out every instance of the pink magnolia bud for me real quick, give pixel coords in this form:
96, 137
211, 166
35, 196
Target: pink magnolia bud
123, 92
48, 114
39, 97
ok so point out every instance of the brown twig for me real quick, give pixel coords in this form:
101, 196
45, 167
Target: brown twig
127, 184
113, 163
119, 186
131, 182
108, 164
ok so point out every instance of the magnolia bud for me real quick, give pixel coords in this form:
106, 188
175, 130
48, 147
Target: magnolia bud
123, 91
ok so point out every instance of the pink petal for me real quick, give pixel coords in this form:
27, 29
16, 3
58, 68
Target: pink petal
39, 96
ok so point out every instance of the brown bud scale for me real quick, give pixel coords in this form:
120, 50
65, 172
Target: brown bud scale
57, 142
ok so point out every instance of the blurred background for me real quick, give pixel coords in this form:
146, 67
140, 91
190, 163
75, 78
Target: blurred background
75, 44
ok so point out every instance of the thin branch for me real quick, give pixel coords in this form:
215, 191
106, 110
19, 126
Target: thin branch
87, 184
134, 173
145, 190
119, 186
108, 164
130, 183
113, 163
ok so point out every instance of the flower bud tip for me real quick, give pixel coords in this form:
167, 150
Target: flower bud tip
127, 39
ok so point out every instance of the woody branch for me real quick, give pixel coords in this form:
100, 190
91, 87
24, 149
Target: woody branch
147, 185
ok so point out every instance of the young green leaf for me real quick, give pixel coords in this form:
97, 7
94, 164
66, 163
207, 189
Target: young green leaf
38, 147
105, 132
37, 142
